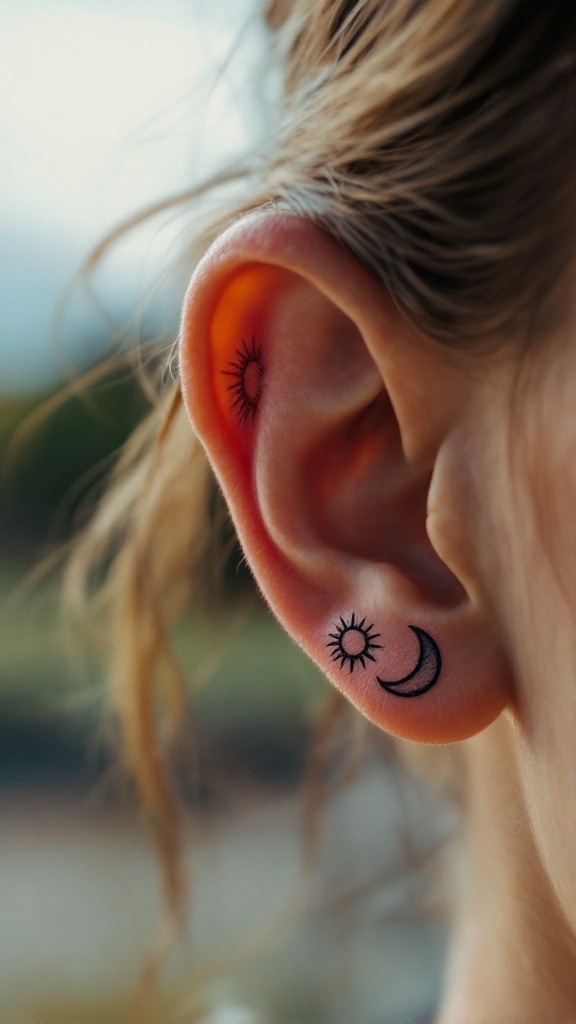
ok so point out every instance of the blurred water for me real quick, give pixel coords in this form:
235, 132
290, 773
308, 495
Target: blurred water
79, 892
80, 899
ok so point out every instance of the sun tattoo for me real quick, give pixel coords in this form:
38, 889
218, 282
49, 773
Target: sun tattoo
352, 642
248, 372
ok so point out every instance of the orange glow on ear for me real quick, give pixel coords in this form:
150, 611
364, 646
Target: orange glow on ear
240, 318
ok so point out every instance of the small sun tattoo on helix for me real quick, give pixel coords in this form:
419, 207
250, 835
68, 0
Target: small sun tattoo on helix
248, 371
352, 642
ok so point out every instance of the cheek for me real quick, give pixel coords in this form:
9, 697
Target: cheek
540, 615
548, 770
551, 461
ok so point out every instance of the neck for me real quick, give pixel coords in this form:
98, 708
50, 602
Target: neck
513, 957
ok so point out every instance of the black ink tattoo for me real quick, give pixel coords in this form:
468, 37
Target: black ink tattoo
248, 372
352, 642
423, 675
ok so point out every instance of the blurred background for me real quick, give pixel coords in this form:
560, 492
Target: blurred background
105, 108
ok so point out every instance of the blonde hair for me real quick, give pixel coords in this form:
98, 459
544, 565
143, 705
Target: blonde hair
436, 140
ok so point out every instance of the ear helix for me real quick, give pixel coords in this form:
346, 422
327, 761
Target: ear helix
238, 354
246, 370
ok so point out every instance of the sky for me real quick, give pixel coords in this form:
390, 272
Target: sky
105, 107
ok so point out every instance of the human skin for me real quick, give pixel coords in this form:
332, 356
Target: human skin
386, 473
517, 909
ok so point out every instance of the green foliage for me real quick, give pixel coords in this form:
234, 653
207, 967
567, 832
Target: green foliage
55, 451
55, 448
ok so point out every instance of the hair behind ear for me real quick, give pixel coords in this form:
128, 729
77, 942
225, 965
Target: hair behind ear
142, 543
410, 135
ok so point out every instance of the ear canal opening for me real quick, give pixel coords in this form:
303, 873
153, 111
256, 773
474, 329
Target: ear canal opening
368, 501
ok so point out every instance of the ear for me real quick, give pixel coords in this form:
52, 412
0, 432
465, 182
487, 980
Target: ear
324, 416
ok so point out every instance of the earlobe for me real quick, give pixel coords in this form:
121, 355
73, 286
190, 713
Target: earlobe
292, 371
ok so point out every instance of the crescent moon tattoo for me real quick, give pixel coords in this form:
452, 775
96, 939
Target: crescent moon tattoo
425, 673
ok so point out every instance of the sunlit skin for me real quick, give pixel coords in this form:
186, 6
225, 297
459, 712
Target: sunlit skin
418, 485
245, 372
238, 323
